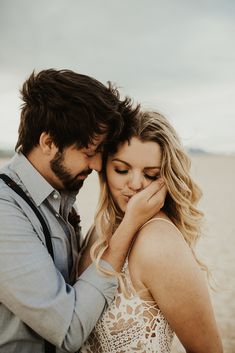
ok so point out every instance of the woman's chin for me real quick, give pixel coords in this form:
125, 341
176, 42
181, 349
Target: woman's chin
123, 208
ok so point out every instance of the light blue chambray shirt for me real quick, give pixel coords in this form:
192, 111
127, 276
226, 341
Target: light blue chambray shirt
36, 297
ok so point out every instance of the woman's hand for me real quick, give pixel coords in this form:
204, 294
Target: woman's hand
140, 208
145, 204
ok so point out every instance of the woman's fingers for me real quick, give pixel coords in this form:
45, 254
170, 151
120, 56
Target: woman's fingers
152, 189
146, 203
158, 199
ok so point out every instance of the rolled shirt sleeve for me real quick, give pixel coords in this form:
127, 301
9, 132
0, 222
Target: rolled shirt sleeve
93, 292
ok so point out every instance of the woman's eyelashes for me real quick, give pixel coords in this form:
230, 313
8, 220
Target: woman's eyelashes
152, 177
121, 171
147, 176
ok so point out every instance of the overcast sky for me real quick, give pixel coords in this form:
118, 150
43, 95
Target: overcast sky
177, 57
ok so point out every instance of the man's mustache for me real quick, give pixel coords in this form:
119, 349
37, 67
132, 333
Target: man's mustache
85, 172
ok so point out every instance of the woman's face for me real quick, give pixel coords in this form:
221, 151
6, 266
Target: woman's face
132, 168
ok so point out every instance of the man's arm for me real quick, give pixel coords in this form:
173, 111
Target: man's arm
33, 289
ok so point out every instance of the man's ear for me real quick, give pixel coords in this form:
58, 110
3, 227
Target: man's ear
47, 145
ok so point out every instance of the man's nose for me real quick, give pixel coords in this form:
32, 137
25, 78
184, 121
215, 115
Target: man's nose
96, 162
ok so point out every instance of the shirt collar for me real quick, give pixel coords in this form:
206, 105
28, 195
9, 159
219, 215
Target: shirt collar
33, 181
37, 186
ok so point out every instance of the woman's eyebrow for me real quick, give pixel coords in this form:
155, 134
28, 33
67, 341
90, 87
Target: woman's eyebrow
120, 160
155, 167
124, 162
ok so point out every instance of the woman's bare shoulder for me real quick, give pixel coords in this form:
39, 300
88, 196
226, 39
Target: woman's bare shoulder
158, 241
158, 231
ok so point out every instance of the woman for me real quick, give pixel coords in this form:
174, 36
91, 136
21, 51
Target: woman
162, 289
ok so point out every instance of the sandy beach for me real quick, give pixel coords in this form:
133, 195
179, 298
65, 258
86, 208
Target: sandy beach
215, 175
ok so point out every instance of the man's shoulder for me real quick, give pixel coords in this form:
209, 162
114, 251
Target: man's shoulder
6, 193
10, 169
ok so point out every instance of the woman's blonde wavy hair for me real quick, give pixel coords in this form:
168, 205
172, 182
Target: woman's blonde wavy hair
182, 196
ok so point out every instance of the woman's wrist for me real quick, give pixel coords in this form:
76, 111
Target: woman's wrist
119, 244
130, 225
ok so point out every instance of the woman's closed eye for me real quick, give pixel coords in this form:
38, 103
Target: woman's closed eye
147, 176
121, 171
152, 177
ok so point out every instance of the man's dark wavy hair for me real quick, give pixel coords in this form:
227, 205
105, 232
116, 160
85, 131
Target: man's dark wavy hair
72, 108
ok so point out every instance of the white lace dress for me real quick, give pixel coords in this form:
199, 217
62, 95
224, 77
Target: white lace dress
130, 325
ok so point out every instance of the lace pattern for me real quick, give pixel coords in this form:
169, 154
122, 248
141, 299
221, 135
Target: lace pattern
130, 325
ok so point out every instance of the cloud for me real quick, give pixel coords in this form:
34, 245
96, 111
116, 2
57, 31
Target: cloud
176, 55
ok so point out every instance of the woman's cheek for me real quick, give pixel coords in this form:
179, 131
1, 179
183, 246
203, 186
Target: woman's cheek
116, 180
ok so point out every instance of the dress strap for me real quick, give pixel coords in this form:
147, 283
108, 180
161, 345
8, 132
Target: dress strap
164, 220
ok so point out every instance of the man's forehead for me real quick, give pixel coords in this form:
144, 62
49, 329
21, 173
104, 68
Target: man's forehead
96, 142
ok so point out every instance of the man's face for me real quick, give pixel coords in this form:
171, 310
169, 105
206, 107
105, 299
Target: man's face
71, 166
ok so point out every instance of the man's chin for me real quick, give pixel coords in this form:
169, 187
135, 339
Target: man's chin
74, 187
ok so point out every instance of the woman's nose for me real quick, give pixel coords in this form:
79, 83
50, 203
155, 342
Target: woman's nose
135, 182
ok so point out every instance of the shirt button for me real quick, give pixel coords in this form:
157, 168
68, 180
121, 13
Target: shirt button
57, 215
55, 196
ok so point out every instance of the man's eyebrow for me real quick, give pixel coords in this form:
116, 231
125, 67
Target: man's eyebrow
126, 163
91, 148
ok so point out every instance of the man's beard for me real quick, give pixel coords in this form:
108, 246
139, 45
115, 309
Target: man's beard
70, 183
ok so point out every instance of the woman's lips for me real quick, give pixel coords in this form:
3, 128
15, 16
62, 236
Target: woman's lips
127, 197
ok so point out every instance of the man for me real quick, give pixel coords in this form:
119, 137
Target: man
66, 118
